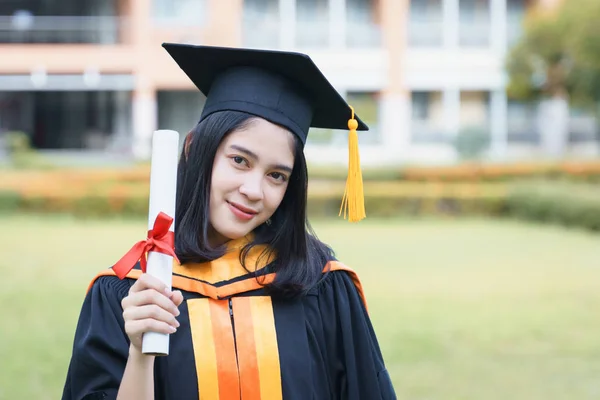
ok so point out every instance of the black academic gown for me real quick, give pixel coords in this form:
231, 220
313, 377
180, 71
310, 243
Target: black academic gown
234, 342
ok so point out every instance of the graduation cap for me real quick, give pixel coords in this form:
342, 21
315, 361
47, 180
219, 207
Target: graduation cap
285, 88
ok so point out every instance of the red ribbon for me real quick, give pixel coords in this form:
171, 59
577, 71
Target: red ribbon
160, 240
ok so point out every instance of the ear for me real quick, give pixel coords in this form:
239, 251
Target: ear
188, 142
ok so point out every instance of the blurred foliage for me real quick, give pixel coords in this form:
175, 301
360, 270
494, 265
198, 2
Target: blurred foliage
471, 142
583, 171
21, 154
559, 54
10, 201
366, 105
560, 193
557, 203
17, 142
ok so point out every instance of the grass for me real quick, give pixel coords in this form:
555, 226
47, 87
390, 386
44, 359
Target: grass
463, 310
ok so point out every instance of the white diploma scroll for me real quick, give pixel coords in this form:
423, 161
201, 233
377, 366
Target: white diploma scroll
163, 186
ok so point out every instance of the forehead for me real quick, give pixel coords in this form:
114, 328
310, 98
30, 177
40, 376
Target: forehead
265, 139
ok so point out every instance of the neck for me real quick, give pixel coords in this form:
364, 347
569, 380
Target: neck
215, 239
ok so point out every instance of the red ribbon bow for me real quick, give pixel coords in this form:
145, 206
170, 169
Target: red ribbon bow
160, 240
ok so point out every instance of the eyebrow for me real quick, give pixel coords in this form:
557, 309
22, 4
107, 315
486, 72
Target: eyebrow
253, 155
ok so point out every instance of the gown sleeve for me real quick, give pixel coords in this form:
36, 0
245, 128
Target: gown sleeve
355, 363
101, 346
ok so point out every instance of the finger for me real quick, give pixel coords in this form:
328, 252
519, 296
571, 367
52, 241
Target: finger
138, 327
151, 296
177, 298
150, 311
149, 282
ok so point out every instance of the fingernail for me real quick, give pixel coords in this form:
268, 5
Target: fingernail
167, 291
177, 324
172, 329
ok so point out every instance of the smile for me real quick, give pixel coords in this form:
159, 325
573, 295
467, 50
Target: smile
241, 212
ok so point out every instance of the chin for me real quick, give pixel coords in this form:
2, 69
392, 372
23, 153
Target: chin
234, 232
237, 234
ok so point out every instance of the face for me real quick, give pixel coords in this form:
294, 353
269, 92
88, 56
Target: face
250, 175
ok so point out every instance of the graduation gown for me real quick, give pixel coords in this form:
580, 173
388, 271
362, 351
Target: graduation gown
234, 341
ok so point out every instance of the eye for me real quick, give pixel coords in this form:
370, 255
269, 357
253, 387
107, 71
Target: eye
239, 160
278, 176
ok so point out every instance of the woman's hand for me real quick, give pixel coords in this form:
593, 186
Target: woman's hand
150, 307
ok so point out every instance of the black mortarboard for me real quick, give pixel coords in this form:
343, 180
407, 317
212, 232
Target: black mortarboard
286, 88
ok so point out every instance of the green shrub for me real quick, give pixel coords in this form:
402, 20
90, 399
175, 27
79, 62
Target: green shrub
563, 203
9, 201
22, 155
17, 142
471, 142
557, 203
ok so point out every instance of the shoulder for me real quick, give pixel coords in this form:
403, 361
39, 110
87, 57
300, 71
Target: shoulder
337, 268
107, 279
106, 284
339, 280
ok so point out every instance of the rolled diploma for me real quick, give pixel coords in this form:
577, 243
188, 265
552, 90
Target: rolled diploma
163, 186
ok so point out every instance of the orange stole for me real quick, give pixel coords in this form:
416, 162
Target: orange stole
225, 372
243, 286
246, 366
214, 349
258, 353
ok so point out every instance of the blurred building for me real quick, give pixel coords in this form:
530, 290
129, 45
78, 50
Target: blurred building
88, 78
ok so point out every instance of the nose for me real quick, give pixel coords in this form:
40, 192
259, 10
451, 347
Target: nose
252, 188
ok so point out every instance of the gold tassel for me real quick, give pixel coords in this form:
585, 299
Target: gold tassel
353, 202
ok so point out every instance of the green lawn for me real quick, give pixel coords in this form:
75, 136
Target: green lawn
464, 310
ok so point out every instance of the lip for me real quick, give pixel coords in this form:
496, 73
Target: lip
242, 212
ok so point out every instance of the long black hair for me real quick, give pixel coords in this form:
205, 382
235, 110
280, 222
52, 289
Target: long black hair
299, 257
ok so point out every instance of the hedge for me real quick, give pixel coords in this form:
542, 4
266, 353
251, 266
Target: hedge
556, 203
468, 172
567, 204
381, 199
586, 171
532, 192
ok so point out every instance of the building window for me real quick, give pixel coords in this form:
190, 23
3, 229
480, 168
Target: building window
65, 21
474, 110
312, 23
188, 12
427, 118
515, 16
366, 105
583, 126
363, 23
473, 137
475, 23
521, 123
179, 110
61, 120
260, 24
425, 25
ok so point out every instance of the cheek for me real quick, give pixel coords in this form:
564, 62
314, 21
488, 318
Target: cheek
223, 177
274, 197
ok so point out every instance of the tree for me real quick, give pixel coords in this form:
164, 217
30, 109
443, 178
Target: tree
559, 54
557, 61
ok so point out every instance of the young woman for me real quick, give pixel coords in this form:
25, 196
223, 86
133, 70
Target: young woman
263, 310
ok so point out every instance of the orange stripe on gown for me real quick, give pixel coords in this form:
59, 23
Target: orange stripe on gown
204, 348
244, 328
229, 385
258, 354
214, 350
214, 292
